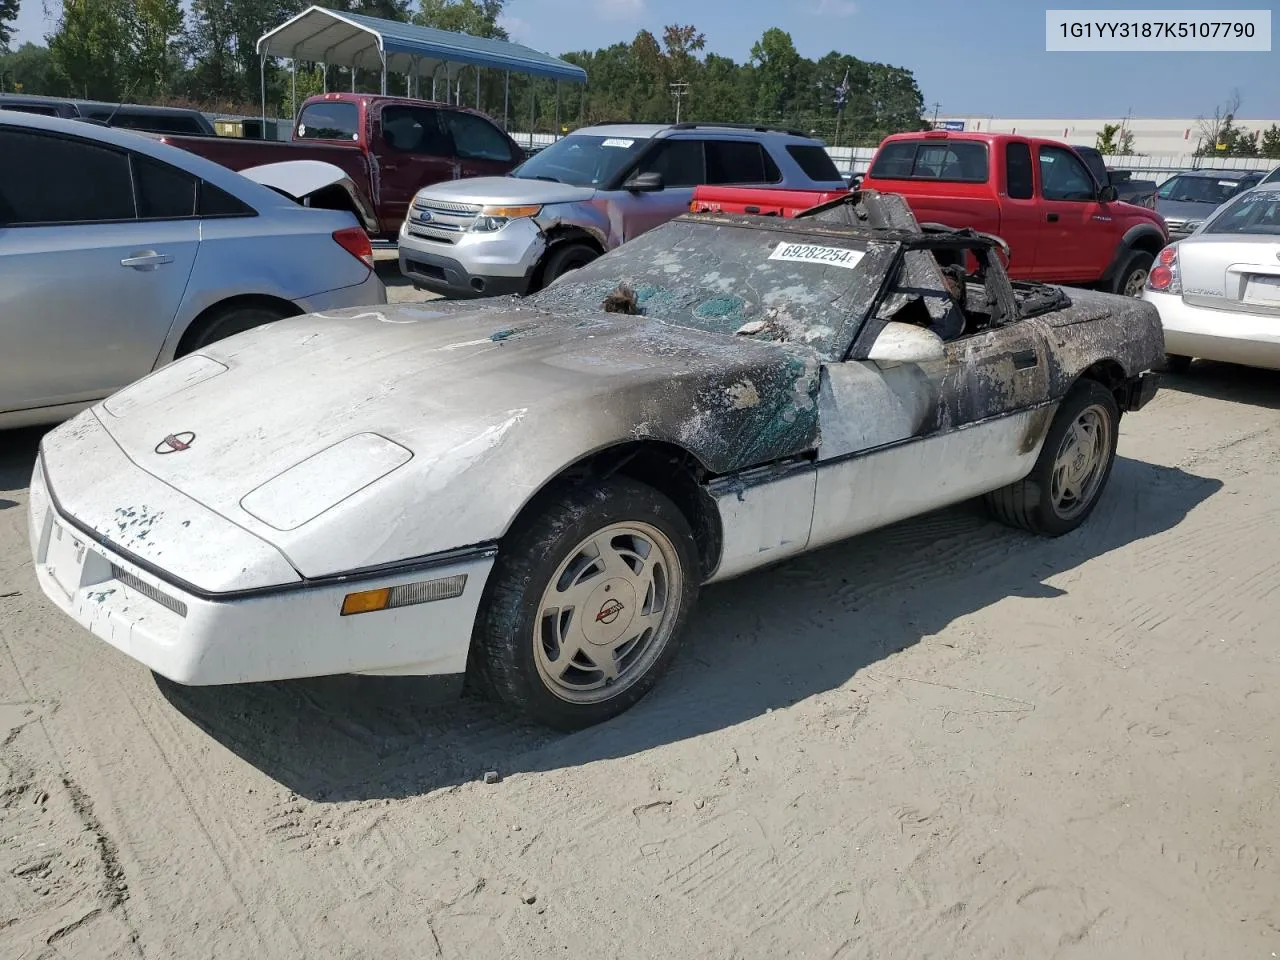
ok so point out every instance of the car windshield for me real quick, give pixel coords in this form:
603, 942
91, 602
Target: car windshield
781, 285
1199, 190
580, 160
1256, 212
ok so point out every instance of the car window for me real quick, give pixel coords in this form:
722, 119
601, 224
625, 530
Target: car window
27, 108
1257, 212
216, 202
475, 138
1198, 190
415, 130
738, 161
180, 124
1017, 162
164, 192
680, 162
1064, 177
48, 179
814, 161
329, 120
582, 160
957, 161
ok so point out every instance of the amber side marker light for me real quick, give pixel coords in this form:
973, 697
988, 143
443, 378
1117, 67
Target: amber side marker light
405, 595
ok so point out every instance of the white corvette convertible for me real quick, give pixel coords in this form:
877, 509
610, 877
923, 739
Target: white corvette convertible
533, 491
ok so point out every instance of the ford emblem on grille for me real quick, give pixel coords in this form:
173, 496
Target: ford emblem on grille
176, 442
424, 215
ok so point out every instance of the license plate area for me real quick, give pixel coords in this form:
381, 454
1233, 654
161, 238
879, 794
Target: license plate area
1263, 289
65, 558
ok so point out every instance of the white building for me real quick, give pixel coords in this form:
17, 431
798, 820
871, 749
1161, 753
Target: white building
1152, 137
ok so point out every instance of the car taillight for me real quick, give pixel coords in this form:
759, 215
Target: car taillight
356, 242
1163, 277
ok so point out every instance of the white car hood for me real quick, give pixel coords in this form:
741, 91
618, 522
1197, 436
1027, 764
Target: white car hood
372, 436
296, 178
506, 190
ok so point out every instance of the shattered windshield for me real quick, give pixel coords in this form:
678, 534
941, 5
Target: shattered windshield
783, 285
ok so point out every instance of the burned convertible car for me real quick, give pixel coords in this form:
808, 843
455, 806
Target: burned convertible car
533, 491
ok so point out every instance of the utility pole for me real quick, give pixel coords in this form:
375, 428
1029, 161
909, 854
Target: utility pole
679, 90
936, 107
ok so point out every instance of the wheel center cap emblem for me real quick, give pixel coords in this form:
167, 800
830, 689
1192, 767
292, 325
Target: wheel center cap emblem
176, 442
609, 612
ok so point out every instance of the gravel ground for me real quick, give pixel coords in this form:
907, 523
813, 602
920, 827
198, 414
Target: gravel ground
946, 739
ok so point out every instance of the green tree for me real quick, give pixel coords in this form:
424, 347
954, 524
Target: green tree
479, 18
29, 69
1271, 142
8, 16
90, 48
156, 31
221, 40
776, 62
1106, 141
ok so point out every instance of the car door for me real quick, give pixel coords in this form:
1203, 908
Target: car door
415, 150
1078, 237
482, 149
682, 165
901, 438
92, 271
1020, 211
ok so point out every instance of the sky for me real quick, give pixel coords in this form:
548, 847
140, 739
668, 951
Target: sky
970, 57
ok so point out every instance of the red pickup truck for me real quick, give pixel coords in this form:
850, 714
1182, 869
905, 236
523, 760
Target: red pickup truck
390, 147
1061, 225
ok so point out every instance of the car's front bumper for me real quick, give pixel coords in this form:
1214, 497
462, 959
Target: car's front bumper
476, 264
1229, 336
284, 632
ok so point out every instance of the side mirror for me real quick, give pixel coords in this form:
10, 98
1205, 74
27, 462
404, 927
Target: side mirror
643, 183
906, 343
1108, 194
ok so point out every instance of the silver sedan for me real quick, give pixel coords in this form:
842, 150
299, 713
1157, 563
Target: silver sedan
1218, 291
119, 253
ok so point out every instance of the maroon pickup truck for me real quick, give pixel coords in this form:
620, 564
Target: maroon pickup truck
390, 148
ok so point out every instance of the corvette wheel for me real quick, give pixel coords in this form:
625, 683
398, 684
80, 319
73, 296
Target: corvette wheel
586, 603
1073, 467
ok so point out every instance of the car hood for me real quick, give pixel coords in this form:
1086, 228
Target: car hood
506, 190
370, 436
1184, 209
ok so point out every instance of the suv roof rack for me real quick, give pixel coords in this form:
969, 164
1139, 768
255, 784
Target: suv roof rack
754, 127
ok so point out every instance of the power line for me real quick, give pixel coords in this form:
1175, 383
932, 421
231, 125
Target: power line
679, 90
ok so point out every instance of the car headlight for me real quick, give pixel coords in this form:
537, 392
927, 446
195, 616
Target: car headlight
1191, 225
491, 219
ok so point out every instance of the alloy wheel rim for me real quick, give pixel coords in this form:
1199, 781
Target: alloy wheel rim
1081, 461
608, 612
1136, 284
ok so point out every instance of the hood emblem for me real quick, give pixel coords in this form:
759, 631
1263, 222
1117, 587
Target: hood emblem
424, 215
176, 442
609, 612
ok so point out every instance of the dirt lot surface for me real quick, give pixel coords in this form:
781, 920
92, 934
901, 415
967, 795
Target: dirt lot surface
943, 740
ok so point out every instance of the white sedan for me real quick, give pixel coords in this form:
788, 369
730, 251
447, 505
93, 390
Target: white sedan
1218, 291
533, 491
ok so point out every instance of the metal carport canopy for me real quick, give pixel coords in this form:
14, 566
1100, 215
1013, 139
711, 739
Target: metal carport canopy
320, 35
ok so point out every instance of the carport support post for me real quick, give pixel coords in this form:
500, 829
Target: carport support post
382, 55
353, 77
506, 99
324, 77
293, 86
477, 87
533, 106
557, 130
262, 73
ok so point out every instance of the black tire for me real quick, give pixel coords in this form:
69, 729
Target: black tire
511, 642
1030, 503
566, 257
1176, 363
1133, 274
227, 323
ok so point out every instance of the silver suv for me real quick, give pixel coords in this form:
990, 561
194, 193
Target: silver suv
586, 194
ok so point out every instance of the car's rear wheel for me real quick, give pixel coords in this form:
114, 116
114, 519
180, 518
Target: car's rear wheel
1132, 277
586, 603
1073, 467
567, 257
227, 322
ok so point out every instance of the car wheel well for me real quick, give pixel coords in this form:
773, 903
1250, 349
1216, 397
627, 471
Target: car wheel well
210, 314
557, 237
667, 468
1148, 243
1111, 375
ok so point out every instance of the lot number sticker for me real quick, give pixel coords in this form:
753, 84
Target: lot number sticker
812, 253
616, 142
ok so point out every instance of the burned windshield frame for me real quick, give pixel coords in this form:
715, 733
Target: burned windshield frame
700, 275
